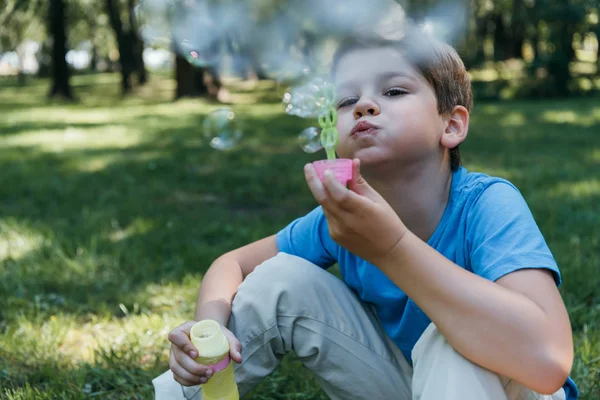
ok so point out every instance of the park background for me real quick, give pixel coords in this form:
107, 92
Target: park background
113, 203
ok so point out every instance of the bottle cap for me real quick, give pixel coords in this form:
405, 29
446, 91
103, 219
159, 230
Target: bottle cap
208, 338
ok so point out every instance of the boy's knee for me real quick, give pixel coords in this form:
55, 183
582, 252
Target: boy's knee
283, 272
282, 282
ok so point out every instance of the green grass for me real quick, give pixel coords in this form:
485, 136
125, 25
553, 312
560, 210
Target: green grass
112, 209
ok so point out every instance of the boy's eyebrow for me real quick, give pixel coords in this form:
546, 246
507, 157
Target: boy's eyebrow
382, 78
394, 74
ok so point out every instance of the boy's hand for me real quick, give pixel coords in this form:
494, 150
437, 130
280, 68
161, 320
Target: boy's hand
183, 353
359, 219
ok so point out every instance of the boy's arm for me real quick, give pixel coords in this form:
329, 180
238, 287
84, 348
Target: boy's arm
214, 301
222, 279
517, 327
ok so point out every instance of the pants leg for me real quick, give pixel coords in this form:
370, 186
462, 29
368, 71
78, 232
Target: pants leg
288, 304
167, 388
441, 373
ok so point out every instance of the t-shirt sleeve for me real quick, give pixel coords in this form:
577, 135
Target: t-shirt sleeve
308, 237
503, 237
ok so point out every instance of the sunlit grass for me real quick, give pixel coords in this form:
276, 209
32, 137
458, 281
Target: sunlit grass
17, 240
592, 117
113, 209
577, 190
513, 119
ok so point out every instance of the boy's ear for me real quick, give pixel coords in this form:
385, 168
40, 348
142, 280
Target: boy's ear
457, 127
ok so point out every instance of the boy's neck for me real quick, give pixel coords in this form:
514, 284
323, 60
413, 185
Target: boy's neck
418, 195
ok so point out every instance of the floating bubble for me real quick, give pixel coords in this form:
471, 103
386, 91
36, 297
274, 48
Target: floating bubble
196, 56
284, 68
194, 29
310, 100
222, 129
154, 20
195, 34
310, 140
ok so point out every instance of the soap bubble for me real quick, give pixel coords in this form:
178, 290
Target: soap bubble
310, 100
154, 21
195, 33
310, 140
222, 129
284, 67
196, 55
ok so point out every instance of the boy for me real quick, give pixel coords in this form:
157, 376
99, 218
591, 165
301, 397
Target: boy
449, 289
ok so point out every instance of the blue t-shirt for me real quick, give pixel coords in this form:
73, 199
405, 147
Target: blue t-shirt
487, 228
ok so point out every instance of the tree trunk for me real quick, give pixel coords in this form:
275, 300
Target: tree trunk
94, 56
560, 60
598, 50
532, 31
476, 48
500, 39
60, 70
260, 72
21, 74
124, 44
517, 29
137, 46
535, 43
190, 80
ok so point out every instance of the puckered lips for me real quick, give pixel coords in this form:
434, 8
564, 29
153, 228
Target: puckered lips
363, 128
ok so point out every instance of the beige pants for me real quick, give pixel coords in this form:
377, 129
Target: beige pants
288, 304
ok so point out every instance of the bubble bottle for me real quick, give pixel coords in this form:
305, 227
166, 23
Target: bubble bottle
213, 351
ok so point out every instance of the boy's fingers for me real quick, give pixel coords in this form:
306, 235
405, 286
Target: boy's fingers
236, 355
236, 350
355, 174
346, 199
235, 347
180, 338
184, 377
359, 185
187, 363
314, 184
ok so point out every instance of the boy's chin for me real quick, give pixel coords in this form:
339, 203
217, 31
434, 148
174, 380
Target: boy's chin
370, 157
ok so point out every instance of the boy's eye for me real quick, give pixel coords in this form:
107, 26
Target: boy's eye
395, 92
348, 101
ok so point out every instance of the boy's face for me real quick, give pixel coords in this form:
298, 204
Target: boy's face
387, 111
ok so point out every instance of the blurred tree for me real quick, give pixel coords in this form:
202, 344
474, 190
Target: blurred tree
137, 45
190, 79
124, 44
193, 78
89, 29
60, 86
563, 19
497, 30
129, 43
20, 20
518, 28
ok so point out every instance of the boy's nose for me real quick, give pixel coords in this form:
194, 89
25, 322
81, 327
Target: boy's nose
365, 107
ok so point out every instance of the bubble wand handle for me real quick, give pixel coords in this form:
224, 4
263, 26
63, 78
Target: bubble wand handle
329, 134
